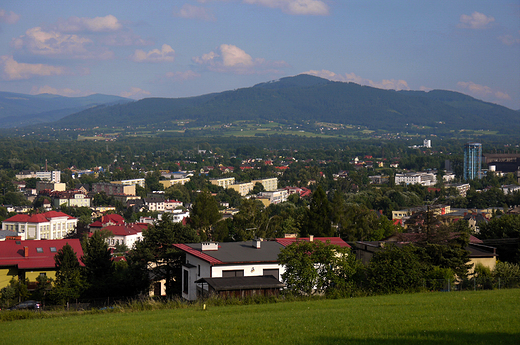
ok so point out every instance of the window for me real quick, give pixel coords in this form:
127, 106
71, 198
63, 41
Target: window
198, 270
233, 273
53, 249
272, 272
39, 250
185, 282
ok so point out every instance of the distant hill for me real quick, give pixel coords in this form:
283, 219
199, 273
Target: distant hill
20, 110
309, 98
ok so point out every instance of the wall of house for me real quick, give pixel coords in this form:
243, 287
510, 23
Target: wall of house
249, 269
487, 262
6, 274
32, 275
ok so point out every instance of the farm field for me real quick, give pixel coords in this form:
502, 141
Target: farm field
481, 317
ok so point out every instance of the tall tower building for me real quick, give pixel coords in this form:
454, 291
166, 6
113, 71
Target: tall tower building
472, 161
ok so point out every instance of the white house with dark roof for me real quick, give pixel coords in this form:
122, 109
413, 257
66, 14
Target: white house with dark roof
211, 266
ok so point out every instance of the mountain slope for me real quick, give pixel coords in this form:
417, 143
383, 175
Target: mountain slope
20, 109
309, 98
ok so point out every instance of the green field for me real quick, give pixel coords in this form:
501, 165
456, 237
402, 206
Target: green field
482, 317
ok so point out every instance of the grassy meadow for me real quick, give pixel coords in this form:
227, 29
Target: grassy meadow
481, 317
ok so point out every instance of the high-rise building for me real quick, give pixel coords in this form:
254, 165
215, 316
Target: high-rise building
472, 161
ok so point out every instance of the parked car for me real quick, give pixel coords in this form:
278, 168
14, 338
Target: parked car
27, 305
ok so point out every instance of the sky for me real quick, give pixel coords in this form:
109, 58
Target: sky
140, 49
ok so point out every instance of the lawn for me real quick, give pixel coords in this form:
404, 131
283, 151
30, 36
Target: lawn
482, 317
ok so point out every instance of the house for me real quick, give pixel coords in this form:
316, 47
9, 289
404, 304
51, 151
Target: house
30, 259
50, 225
124, 234
236, 268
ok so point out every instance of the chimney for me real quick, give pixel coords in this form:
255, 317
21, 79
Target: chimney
25, 252
209, 246
311, 238
257, 242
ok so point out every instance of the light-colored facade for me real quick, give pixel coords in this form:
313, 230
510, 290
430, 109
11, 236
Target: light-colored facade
50, 225
275, 197
133, 182
422, 178
270, 184
242, 188
223, 182
172, 182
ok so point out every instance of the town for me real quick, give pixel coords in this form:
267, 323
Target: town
235, 227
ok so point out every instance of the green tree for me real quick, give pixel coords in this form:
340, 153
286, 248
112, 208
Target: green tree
69, 283
317, 267
318, 220
156, 253
204, 214
98, 270
395, 270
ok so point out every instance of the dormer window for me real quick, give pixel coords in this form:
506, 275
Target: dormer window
39, 250
53, 249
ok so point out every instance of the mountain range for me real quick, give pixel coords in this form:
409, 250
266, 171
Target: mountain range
305, 98
18, 110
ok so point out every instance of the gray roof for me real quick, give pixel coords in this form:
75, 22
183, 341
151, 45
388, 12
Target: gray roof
5, 233
242, 283
240, 252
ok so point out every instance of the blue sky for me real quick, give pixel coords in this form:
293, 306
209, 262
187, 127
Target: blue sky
141, 49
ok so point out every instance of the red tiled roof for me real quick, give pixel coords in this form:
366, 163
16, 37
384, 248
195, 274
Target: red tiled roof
12, 253
123, 230
197, 253
331, 240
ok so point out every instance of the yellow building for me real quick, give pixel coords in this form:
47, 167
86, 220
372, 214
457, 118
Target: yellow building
223, 182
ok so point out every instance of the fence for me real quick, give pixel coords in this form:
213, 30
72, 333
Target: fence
475, 283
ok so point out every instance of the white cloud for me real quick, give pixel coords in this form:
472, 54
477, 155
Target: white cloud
166, 54
230, 59
13, 70
195, 12
182, 76
478, 90
97, 24
295, 7
9, 18
53, 43
387, 84
36, 90
509, 39
475, 21
135, 93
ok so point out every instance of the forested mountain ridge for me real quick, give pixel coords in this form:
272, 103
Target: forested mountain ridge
20, 109
308, 98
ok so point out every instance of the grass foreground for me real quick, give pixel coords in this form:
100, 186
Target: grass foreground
481, 317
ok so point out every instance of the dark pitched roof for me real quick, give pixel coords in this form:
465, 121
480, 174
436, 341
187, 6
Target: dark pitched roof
242, 283
234, 252
331, 240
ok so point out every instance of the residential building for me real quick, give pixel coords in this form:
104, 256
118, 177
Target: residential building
41, 226
155, 203
422, 178
43, 185
170, 205
113, 188
168, 183
242, 188
133, 182
210, 266
21, 259
70, 198
379, 179
223, 182
124, 234
472, 161
462, 188
269, 184
511, 188
274, 197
